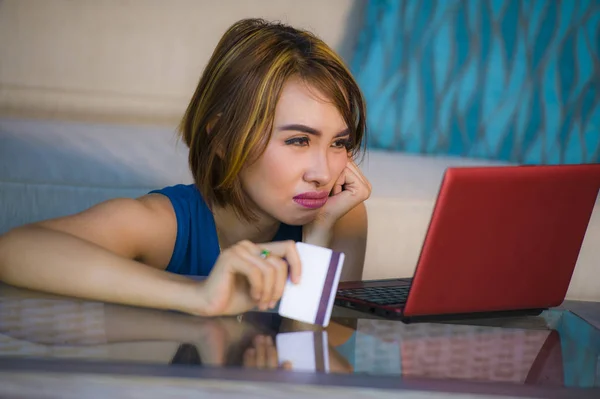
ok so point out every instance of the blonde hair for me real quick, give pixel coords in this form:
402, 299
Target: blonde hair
229, 118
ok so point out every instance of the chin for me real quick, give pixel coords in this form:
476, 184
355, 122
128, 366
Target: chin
299, 219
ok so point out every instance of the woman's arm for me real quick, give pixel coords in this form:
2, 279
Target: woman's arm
348, 235
91, 255
117, 252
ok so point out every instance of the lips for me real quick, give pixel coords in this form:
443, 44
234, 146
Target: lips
312, 199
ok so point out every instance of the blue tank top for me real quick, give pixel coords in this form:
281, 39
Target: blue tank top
197, 246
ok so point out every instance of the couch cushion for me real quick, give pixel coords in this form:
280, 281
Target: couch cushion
90, 155
51, 168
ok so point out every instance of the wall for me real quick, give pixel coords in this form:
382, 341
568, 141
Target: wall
131, 60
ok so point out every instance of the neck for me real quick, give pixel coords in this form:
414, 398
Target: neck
231, 229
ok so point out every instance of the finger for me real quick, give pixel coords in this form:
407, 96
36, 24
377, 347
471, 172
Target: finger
250, 358
268, 280
251, 254
272, 361
358, 173
337, 188
287, 249
241, 263
261, 351
269, 287
339, 183
281, 274
356, 182
351, 166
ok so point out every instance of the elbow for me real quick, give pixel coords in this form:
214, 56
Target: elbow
5, 244
11, 248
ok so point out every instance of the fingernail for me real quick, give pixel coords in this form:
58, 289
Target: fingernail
272, 304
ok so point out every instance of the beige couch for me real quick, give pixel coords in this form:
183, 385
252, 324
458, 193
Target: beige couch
50, 168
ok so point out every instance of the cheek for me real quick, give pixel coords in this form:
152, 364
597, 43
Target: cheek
277, 166
339, 164
273, 170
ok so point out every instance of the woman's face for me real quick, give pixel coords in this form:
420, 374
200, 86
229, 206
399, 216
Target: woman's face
307, 153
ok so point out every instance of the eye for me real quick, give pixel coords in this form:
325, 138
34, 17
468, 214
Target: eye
298, 141
342, 143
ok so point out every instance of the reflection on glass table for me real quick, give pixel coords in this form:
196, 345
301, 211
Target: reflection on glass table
564, 352
557, 348
38, 325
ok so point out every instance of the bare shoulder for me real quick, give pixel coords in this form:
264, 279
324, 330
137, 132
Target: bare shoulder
143, 228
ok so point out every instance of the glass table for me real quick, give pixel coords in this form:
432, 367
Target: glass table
51, 344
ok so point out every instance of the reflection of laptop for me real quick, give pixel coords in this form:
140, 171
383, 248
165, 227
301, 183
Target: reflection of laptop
503, 355
501, 240
460, 352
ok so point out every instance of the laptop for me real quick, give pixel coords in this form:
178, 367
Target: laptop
502, 240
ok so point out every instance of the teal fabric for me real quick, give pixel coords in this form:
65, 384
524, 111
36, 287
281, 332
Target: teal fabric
507, 80
580, 344
348, 350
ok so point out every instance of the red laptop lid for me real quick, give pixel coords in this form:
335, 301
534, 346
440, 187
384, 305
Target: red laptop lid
503, 238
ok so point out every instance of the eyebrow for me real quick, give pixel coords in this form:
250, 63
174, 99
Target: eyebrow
307, 129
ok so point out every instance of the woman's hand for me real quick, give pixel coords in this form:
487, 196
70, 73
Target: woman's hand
263, 355
350, 189
243, 279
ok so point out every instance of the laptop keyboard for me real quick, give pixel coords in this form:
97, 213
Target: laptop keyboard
378, 295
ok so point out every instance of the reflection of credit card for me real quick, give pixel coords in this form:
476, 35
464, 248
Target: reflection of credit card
312, 299
304, 350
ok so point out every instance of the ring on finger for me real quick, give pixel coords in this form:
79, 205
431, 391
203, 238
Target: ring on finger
265, 253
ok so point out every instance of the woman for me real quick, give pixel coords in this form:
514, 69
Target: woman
272, 129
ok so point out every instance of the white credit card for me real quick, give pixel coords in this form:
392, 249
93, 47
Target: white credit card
304, 350
311, 300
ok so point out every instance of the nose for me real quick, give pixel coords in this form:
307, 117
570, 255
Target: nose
318, 169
